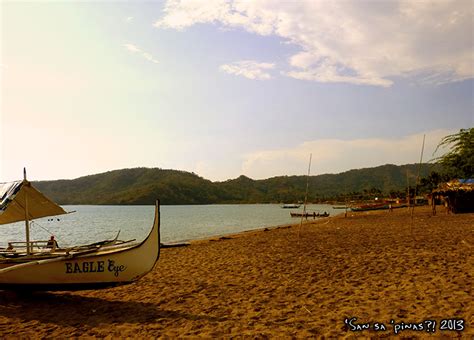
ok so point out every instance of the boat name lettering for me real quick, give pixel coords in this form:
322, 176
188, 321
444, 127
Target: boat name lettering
115, 269
94, 267
85, 267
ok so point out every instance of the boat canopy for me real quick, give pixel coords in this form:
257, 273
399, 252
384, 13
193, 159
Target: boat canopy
20, 196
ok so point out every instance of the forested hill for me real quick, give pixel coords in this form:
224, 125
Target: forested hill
144, 185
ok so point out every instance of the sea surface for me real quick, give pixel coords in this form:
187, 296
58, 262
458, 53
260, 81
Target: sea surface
92, 223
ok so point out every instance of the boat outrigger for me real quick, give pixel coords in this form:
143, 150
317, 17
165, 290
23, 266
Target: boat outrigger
41, 265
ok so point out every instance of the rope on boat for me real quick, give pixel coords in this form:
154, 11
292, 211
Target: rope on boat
39, 225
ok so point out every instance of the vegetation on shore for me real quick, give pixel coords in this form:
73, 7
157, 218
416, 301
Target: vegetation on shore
144, 185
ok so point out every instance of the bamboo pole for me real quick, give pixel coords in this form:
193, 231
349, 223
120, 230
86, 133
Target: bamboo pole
408, 191
345, 205
306, 195
418, 176
27, 218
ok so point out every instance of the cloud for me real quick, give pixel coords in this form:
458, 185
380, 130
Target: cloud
358, 42
249, 69
134, 49
149, 57
336, 155
129, 19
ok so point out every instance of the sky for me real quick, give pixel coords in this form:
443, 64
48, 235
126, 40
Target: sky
229, 88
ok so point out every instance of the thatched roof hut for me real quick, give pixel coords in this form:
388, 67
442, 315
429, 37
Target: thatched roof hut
459, 194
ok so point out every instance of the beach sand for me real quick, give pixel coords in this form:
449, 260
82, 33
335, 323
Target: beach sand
283, 282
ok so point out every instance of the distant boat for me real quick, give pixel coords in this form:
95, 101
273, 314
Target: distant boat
340, 207
367, 207
308, 214
42, 265
291, 206
377, 206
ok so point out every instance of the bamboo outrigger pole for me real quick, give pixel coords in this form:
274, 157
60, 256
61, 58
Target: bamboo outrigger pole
27, 222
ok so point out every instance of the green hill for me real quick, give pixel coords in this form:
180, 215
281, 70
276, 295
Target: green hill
144, 185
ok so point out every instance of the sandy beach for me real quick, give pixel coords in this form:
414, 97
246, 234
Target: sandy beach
379, 267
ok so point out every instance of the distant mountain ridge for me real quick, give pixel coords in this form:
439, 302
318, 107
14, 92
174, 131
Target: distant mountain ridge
144, 185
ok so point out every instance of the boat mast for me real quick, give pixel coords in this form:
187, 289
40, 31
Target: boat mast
27, 222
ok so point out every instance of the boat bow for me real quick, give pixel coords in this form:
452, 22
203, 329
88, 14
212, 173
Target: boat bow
101, 267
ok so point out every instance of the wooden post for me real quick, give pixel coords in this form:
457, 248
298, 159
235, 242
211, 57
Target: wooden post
433, 204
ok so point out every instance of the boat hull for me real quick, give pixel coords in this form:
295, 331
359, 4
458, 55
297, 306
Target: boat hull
86, 270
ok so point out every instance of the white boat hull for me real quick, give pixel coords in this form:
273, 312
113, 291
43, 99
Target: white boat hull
104, 267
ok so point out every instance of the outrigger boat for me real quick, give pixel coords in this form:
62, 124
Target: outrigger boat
291, 206
379, 206
308, 214
42, 266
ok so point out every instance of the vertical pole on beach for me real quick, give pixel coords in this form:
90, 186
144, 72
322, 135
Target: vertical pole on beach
345, 205
408, 191
418, 177
27, 218
306, 195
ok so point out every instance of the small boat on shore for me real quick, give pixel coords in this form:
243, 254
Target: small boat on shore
291, 206
42, 265
378, 206
372, 206
308, 214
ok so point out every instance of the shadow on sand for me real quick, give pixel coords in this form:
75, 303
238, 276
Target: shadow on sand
65, 309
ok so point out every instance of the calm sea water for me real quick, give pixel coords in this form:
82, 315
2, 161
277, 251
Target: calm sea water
92, 223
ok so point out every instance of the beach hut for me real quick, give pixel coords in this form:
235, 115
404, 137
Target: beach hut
458, 195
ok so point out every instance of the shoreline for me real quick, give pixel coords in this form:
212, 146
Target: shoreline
261, 228
284, 282
257, 230
308, 221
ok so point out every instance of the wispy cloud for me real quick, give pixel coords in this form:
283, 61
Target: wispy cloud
134, 49
359, 42
336, 155
249, 69
129, 19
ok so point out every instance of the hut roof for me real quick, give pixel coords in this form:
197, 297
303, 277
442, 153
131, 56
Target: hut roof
456, 185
